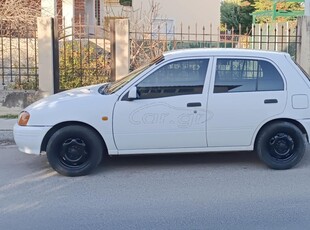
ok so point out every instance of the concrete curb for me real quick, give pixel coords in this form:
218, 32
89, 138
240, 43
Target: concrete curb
6, 136
6, 130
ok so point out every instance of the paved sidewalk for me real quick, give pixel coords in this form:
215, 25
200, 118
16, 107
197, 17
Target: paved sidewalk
6, 130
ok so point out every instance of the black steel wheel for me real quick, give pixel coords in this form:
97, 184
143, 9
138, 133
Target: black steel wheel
74, 150
281, 145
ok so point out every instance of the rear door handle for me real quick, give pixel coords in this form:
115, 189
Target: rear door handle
271, 101
194, 104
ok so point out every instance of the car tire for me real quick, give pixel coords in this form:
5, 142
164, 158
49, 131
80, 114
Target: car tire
281, 145
74, 150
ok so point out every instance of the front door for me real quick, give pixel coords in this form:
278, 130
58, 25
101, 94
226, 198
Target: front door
246, 93
170, 111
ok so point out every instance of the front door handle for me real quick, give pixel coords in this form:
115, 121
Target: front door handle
271, 101
194, 104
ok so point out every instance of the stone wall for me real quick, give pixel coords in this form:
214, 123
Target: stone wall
13, 101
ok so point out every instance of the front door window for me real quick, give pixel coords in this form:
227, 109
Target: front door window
175, 79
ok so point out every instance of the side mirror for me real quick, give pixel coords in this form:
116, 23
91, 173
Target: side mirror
133, 93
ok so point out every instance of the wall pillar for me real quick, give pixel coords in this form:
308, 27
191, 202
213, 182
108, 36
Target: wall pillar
68, 12
102, 12
48, 8
307, 7
90, 19
120, 48
46, 55
303, 49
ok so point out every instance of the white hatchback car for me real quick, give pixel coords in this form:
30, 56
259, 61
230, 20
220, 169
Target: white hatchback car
196, 100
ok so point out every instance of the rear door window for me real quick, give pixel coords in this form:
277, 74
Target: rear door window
246, 75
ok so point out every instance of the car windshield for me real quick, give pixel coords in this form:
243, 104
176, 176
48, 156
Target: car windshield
115, 86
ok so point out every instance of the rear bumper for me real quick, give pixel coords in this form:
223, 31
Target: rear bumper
28, 139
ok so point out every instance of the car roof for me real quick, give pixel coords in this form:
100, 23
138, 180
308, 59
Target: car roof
222, 52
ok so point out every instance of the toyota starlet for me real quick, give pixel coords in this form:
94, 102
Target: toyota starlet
187, 101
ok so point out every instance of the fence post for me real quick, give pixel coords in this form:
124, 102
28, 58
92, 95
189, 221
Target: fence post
303, 48
119, 48
46, 55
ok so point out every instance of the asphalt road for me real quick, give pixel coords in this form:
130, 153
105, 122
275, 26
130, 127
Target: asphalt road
210, 191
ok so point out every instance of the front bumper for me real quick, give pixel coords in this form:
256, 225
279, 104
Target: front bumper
29, 138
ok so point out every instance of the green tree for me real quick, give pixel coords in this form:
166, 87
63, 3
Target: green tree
126, 2
246, 8
267, 5
230, 14
235, 13
82, 65
262, 5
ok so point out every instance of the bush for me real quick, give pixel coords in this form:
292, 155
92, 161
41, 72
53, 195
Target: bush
82, 64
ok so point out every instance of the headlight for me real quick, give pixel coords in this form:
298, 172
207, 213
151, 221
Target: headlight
23, 118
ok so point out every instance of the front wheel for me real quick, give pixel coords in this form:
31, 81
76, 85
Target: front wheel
74, 150
281, 145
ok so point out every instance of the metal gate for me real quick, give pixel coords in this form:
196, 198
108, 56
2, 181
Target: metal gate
84, 53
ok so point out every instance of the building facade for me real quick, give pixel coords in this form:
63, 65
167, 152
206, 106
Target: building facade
174, 12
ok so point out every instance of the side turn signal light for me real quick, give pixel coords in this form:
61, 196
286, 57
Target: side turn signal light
23, 118
105, 118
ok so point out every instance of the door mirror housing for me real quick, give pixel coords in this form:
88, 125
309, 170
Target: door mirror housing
132, 95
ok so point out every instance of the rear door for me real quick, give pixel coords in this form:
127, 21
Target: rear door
245, 92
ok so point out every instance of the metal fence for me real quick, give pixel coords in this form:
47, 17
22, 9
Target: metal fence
84, 54
279, 37
149, 42
84, 49
18, 55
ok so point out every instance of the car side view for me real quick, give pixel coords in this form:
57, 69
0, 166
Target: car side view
186, 101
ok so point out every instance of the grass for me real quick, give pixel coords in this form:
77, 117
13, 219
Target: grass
9, 116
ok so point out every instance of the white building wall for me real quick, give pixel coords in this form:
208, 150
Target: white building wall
48, 8
202, 12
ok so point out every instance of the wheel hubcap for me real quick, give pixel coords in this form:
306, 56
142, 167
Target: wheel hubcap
73, 152
282, 145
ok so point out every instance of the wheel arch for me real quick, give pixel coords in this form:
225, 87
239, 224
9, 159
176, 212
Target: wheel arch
58, 126
292, 121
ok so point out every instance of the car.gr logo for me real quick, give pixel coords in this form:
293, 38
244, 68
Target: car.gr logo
163, 114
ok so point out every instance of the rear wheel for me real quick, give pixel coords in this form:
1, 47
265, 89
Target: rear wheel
74, 150
281, 145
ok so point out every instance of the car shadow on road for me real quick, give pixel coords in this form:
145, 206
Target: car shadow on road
244, 160
213, 159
